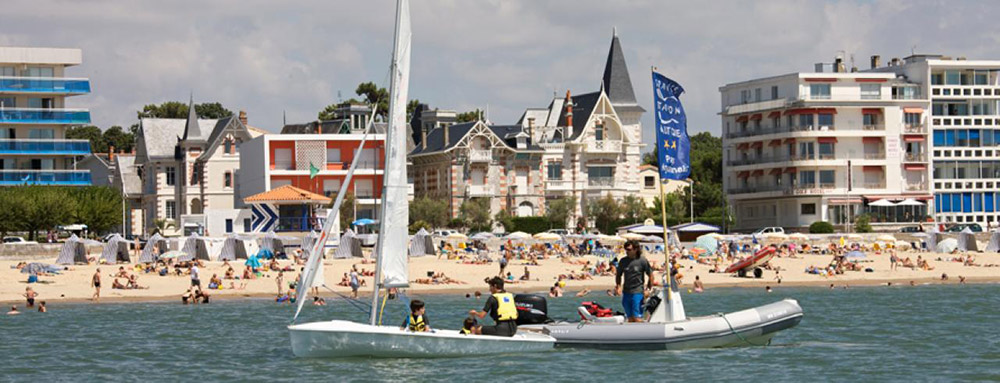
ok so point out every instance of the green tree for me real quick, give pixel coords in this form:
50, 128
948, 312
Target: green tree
472, 115
161, 225
177, 109
90, 133
330, 111
374, 95
606, 213
677, 209
98, 207
410, 107
45, 208
475, 214
347, 210
821, 227
434, 212
862, 224
420, 224
634, 209
12, 210
121, 140
504, 218
559, 210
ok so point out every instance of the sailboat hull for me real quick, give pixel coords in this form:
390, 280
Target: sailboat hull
751, 327
337, 339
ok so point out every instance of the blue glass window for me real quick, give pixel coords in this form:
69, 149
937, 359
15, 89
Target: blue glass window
988, 199
938, 138
977, 202
949, 138
967, 202
945, 203
956, 202
963, 137
937, 203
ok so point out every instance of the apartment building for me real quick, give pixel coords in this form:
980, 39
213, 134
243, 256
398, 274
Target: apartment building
34, 117
826, 146
963, 97
316, 157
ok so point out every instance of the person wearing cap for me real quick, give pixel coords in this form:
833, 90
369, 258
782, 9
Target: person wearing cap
635, 268
499, 306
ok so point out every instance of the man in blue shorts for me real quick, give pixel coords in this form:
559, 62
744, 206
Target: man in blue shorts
637, 274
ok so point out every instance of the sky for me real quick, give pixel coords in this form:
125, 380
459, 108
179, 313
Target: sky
294, 57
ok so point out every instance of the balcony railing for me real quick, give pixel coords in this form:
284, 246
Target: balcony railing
44, 85
801, 128
915, 128
479, 190
873, 185
875, 156
920, 186
44, 116
42, 146
604, 146
480, 155
45, 177
915, 157
601, 182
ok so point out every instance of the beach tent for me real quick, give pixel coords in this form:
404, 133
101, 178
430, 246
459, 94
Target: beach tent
691, 231
673, 241
73, 251
156, 242
707, 242
967, 241
994, 245
308, 241
273, 242
194, 248
234, 248
350, 246
421, 244
116, 250
855, 254
932, 240
947, 245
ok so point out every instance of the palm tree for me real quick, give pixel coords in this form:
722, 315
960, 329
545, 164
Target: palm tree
162, 225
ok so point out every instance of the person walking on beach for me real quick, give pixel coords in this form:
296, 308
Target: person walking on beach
354, 282
195, 277
635, 268
96, 282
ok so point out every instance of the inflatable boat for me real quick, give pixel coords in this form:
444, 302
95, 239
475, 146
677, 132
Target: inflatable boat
668, 328
759, 258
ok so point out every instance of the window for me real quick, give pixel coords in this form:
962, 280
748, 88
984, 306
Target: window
869, 119
331, 187
599, 132
650, 182
806, 150
757, 95
195, 175
952, 77
41, 103
871, 91
806, 120
39, 72
228, 146
229, 226
826, 177
826, 150
332, 156
819, 91
283, 159
825, 119
555, 171
8, 102
7, 71
246, 225
911, 118
227, 180
807, 179
171, 173
808, 209
774, 92
171, 208
42, 134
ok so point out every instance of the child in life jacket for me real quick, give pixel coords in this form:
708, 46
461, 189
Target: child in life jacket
416, 321
468, 326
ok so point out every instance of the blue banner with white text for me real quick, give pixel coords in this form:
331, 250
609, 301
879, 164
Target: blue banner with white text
672, 142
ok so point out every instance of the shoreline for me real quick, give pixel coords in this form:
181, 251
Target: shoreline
595, 289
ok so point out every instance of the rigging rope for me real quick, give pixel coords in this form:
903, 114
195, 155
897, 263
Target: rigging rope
738, 334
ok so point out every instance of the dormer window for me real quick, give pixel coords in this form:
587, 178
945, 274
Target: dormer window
599, 132
228, 146
522, 142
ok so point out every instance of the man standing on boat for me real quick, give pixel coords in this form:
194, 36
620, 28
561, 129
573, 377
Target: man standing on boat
635, 268
500, 306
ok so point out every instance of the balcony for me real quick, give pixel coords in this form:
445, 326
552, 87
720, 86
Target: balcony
757, 106
45, 177
480, 155
479, 190
44, 116
54, 85
920, 186
915, 128
875, 156
45, 147
554, 185
601, 182
915, 157
871, 127
604, 146
873, 185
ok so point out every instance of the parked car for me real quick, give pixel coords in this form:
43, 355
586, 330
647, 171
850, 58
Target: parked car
442, 233
558, 231
13, 240
911, 229
958, 228
768, 230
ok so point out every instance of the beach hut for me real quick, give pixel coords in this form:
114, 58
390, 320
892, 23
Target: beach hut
154, 245
234, 248
194, 248
967, 241
932, 240
421, 244
308, 241
73, 251
350, 246
116, 250
994, 245
273, 242
691, 231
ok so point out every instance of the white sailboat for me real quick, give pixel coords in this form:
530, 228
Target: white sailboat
340, 338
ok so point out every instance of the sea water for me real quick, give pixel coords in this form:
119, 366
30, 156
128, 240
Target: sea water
922, 333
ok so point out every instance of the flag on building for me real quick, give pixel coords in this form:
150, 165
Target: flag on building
313, 171
672, 142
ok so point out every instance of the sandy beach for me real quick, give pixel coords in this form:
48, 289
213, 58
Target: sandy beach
74, 284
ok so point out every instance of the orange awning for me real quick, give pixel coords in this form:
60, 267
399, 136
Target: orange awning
790, 170
827, 140
774, 114
774, 143
826, 111
774, 171
757, 144
755, 117
915, 167
914, 138
741, 119
871, 111
869, 140
824, 79
789, 140
742, 146
870, 80
871, 168
743, 174
913, 110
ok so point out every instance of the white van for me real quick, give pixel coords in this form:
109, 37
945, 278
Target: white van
769, 230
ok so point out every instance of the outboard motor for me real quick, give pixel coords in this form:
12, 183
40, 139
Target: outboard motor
652, 303
531, 309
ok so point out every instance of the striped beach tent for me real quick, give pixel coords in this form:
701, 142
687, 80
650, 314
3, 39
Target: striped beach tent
421, 244
273, 242
116, 250
932, 240
994, 245
234, 248
154, 243
350, 246
73, 251
194, 248
308, 241
967, 241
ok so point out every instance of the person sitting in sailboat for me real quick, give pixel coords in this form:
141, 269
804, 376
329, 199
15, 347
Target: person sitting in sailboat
416, 321
499, 306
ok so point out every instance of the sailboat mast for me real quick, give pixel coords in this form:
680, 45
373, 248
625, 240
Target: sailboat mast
393, 78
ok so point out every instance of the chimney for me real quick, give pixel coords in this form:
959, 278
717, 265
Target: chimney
531, 127
838, 65
569, 115
446, 142
423, 137
876, 61
243, 117
111, 153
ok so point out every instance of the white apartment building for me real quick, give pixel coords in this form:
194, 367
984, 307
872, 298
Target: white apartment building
806, 147
34, 117
963, 97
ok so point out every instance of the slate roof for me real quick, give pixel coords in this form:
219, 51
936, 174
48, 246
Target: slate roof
507, 133
160, 135
128, 176
583, 106
616, 81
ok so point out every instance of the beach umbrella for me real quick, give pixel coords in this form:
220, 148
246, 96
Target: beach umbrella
517, 235
886, 238
947, 245
707, 242
590, 236
652, 238
547, 237
265, 253
633, 236
363, 222
253, 262
855, 254
610, 238
457, 236
902, 245
172, 254
482, 236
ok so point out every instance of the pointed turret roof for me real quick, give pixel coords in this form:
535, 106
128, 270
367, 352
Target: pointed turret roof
616, 81
191, 129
